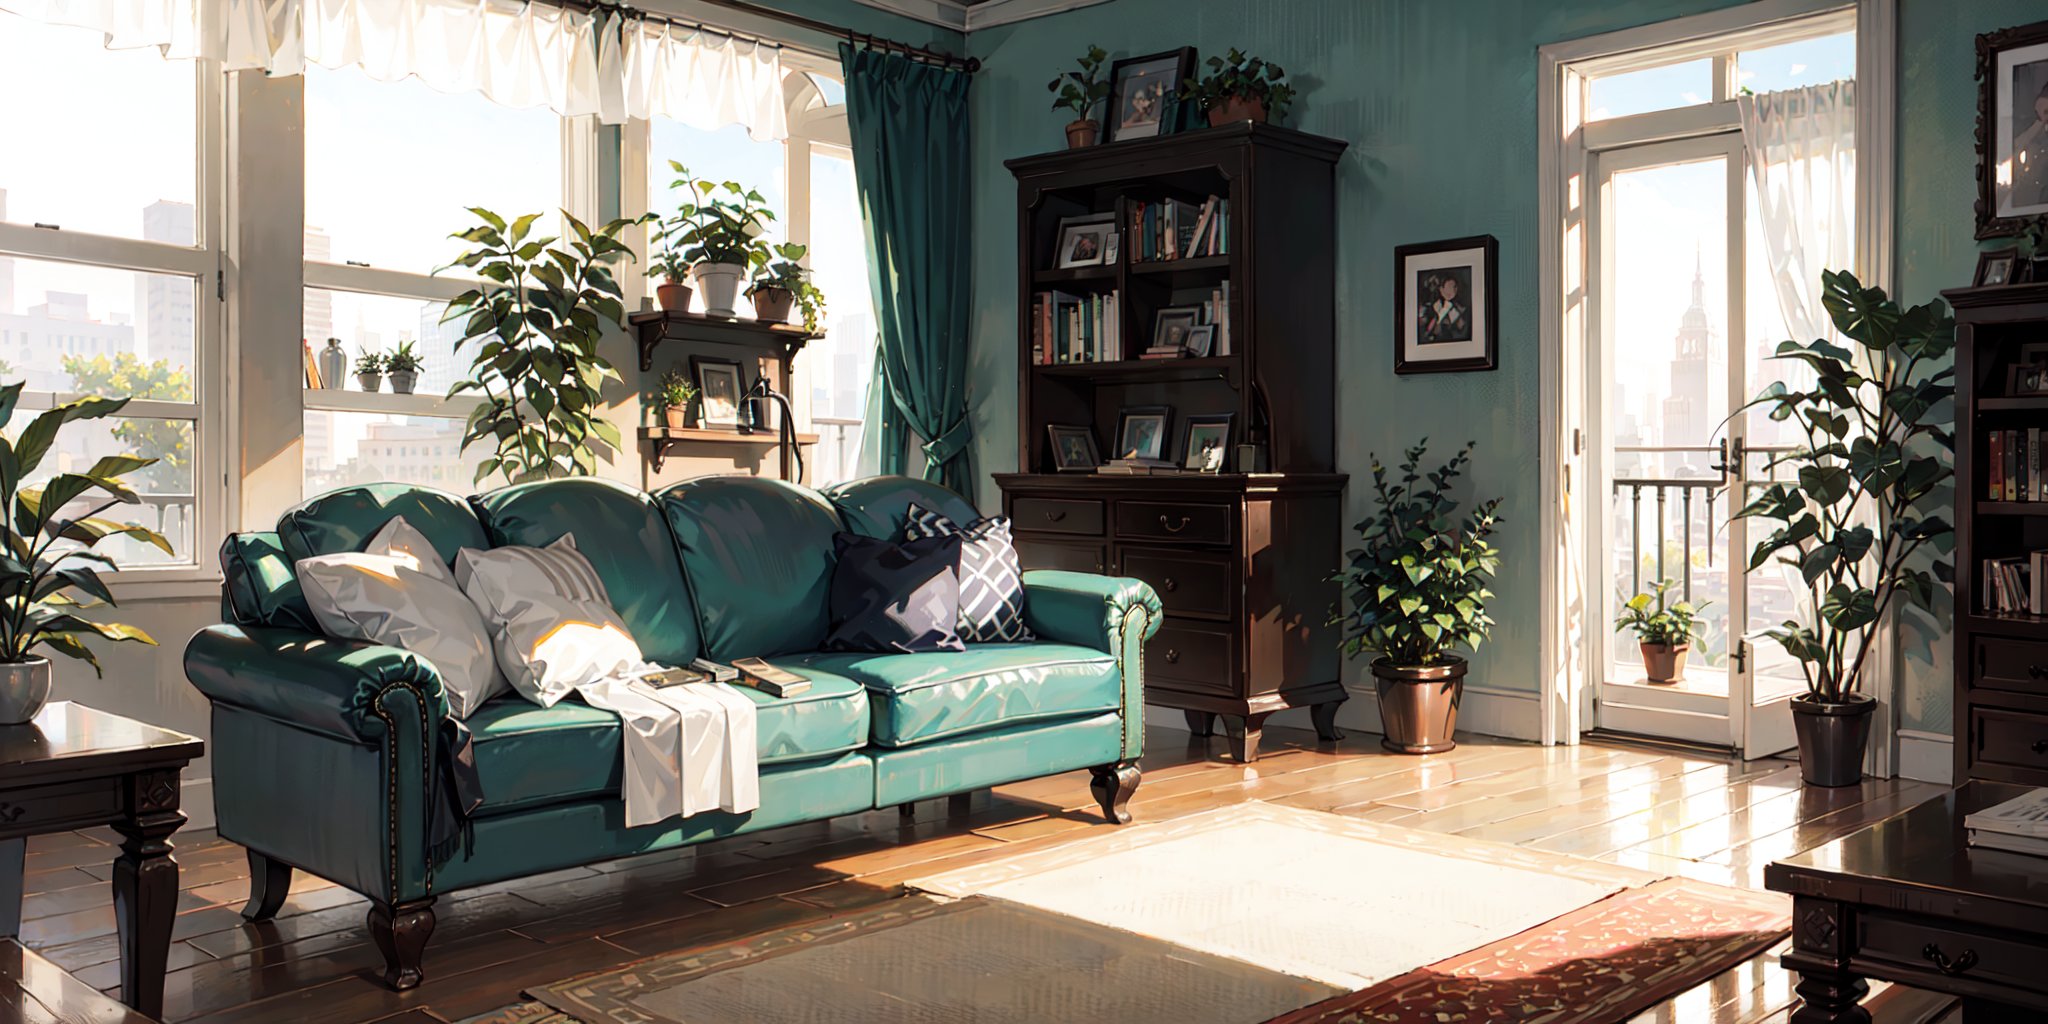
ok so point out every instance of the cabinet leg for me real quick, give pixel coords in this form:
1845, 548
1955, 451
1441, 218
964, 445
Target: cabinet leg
1113, 785
270, 881
1201, 723
1242, 733
13, 861
145, 905
1830, 998
401, 932
1324, 717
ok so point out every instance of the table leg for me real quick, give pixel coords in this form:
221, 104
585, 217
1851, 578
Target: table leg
146, 889
1829, 993
1830, 997
13, 862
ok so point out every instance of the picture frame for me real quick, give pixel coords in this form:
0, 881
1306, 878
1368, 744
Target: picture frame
1088, 240
1447, 306
2028, 374
1997, 267
721, 391
1201, 340
1142, 430
1073, 448
1144, 94
1172, 325
2012, 107
1205, 442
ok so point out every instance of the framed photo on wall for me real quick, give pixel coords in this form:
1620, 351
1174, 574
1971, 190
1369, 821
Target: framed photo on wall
1144, 94
1447, 306
720, 383
2012, 128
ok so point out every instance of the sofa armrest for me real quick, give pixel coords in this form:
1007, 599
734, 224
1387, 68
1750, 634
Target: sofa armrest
1112, 614
340, 688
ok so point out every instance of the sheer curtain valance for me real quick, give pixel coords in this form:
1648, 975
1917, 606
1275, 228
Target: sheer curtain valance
613, 64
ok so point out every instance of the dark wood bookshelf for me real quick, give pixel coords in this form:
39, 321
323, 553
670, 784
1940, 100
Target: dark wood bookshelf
654, 326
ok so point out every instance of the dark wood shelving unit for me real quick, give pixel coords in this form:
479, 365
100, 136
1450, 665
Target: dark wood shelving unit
772, 344
658, 440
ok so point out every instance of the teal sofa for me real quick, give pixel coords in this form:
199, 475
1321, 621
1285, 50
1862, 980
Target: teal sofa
333, 757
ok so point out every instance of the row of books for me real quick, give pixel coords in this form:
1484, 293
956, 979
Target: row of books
2016, 466
2015, 586
2019, 825
1067, 328
1174, 230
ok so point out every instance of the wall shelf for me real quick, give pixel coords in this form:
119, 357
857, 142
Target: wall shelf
652, 327
659, 440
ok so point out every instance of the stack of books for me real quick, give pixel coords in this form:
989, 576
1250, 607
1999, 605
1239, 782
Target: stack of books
2019, 825
1173, 230
2015, 463
2016, 586
1134, 466
1067, 328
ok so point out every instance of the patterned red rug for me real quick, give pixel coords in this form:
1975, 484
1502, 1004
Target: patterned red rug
1599, 964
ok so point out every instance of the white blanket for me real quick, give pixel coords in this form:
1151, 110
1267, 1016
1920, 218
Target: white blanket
686, 749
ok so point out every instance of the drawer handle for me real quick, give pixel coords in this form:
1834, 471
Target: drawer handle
2040, 747
1172, 656
1946, 966
2036, 671
1168, 585
1098, 565
1055, 515
1174, 527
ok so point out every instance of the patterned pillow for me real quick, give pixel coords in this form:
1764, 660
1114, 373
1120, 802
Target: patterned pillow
991, 582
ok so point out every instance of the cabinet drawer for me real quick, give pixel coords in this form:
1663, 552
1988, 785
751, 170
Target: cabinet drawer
1923, 944
2018, 666
1176, 521
2013, 738
1193, 657
1188, 583
1073, 556
1057, 515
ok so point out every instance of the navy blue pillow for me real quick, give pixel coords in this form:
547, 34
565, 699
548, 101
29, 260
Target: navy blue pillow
895, 598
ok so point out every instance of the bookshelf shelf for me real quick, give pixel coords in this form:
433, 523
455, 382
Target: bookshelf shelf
1138, 370
2012, 508
1190, 265
2023, 403
1071, 276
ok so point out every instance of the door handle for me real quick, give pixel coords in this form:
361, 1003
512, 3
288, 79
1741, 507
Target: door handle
1731, 459
1173, 527
1942, 963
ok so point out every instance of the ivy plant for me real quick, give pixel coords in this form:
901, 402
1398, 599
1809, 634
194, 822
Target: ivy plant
1668, 624
1241, 75
717, 222
1079, 91
1418, 584
795, 278
1878, 446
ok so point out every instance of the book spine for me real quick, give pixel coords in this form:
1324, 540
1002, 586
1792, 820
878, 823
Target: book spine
2012, 465
1995, 457
2033, 464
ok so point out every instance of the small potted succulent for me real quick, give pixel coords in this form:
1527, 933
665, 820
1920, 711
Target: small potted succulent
719, 235
1664, 633
1240, 88
403, 367
369, 369
674, 394
785, 283
1079, 91
669, 266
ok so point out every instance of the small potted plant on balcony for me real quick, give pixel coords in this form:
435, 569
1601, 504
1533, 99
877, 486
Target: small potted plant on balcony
1240, 88
1664, 633
719, 234
1079, 91
669, 267
403, 367
369, 369
49, 533
785, 283
674, 394
1418, 591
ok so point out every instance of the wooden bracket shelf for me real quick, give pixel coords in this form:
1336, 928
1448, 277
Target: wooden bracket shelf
653, 327
658, 440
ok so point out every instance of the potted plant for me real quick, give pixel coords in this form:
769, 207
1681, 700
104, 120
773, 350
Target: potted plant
52, 572
1877, 420
1240, 88
784, 283
403, 367
669, 266
1664, 634
369, 369
1418, 591
720, 236
674, 394
2033, 246
1079, 91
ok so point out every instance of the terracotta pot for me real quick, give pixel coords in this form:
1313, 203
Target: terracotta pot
675, 417
1082, 134
772, 304
1832, 738
370, 381
1237, 108
24, 688
1419, 704
402, 381
1664, 663
674, 296
720, 285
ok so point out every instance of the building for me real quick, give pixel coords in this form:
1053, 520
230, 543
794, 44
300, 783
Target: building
164, 303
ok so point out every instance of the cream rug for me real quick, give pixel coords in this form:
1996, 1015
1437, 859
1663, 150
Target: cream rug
1345, 902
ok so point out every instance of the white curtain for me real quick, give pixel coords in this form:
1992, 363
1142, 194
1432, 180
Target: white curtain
1802, 160
517, 53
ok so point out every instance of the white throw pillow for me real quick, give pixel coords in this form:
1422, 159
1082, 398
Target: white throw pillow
550, 619
399, 592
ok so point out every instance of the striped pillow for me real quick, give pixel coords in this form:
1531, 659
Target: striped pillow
551, 621
991, 581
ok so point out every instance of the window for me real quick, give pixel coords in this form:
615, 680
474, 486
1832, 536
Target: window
110, 267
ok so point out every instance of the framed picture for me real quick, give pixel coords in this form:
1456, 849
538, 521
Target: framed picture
1201, 339
1073, 448
1087, 241
1446, 308
1141, 431
1205, 442
1144, 94
1996, 267
2012, 128
1172, 325
720, 383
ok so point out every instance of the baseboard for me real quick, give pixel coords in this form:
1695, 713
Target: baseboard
1927, 756
1514, 714
195, 798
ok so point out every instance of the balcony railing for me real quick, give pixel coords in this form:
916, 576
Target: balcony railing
1687, 494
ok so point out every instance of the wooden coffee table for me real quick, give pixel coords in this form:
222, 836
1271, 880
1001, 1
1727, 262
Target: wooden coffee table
76, 767
1907, 900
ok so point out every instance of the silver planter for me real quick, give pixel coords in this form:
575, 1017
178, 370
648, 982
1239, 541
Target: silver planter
24, 688
402, 381
1419, 704
1832, 738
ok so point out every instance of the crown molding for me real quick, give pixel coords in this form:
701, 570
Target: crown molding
965, 18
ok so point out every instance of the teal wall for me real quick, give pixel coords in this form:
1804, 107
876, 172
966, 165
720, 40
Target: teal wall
1438, 101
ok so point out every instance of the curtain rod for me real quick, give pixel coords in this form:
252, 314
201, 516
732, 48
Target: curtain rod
920, 53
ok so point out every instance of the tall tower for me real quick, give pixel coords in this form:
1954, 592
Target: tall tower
1688, 418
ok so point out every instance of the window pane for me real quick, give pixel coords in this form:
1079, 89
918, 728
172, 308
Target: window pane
72, 327
166, 487
344, 448
380, 323
839, 365
391, 168
1791, 65
98, 140
832, 89
1663, 88
724, 155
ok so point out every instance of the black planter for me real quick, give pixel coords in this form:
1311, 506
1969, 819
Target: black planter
1832, 738
1419, 706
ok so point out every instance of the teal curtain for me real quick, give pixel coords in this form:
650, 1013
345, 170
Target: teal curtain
908, 121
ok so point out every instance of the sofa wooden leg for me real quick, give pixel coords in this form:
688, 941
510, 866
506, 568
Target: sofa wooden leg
906, 812
401, 932
1113, 785
270, 881
959, 804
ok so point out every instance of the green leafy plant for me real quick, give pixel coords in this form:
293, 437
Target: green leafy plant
1875, 453
675, 389
668, 264
1418, 584
2033, 238
403, 359
535, 322
1671, 624
169, 442
369, 362
1242, 76
794, 278
49, 572
1079, 91
712, 228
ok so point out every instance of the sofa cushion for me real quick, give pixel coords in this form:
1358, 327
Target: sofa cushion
758, 557
260, 586
346, 519
875, 507
917, 698
621, 531
895, 597
530, 756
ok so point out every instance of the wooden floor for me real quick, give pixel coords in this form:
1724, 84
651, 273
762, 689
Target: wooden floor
1682, 814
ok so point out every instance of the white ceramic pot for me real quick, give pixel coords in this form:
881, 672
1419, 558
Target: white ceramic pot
24, 688
719, 284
